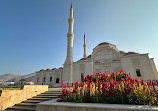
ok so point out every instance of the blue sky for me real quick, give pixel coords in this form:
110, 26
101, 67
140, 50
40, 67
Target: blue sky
33, 33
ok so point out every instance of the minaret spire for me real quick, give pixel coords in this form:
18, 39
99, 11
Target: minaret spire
85, 47
71, 5
68, 65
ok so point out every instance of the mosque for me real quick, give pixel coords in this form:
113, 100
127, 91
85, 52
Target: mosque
104, 58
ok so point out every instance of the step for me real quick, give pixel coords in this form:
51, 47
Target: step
27, 104
31, 101
12, 110
24, 108
51, 93
45, 96
40, 99
54, 89
30, 104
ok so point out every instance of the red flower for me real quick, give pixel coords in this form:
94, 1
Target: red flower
142, 81
68, 85
118, 90
72, 85
74, 91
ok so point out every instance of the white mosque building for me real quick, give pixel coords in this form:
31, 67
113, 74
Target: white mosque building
104, 58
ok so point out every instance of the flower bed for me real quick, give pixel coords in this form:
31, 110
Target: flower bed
113, 88
9, 88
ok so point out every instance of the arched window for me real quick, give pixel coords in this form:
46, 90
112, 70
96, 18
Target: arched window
44, 79
57, 80
50, 79
82, 76
138, 73
37, 80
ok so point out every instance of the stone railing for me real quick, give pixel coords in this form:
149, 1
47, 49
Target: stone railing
52, 105
9, 98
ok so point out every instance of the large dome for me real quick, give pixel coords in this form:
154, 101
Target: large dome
103, 43
106, 45
105, 52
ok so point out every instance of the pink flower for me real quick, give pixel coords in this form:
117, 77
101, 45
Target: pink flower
62, 85
68, 85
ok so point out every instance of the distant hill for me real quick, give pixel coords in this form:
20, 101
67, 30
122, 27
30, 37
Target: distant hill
13, 77
9, 77
29, 77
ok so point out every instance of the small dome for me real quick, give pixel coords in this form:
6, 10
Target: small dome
48, 69
130, 53
122, 52
54, 68
42, 70
89, 56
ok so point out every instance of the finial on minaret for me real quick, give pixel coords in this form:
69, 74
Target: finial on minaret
71, 5
71, 11
85, 47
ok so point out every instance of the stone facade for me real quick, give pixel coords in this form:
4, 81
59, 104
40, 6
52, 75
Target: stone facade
104, 58
51, 77
107, 58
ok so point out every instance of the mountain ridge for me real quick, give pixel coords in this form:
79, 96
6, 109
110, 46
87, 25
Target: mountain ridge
14, 78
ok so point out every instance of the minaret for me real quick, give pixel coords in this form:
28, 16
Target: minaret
85, 47
68, 65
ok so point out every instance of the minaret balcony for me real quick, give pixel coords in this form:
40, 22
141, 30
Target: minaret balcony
70, 35
71, 20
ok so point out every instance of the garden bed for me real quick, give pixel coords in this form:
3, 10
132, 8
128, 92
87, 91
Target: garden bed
111, 88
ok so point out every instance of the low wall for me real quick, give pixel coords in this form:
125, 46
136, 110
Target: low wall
9, 98
52, 105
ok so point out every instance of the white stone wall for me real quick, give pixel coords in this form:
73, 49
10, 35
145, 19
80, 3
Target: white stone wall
140, 61
84, 67
68, 73
116, 65
126, 64
146, 67
55, 73
88, 68
154, 68
76, 72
